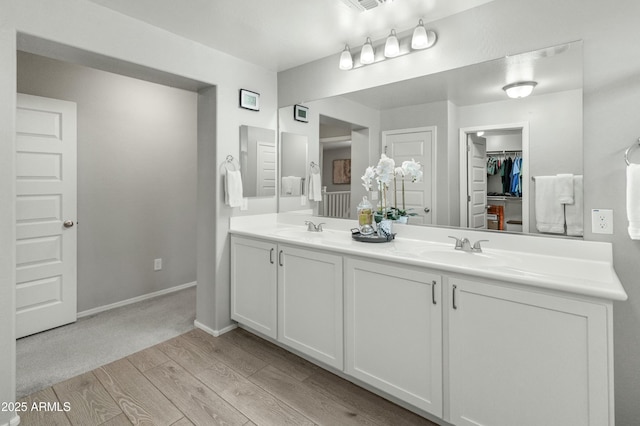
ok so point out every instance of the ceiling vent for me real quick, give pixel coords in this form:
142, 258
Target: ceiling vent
363, 5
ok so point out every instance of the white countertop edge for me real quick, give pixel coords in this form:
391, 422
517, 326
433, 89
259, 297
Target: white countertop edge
263, 226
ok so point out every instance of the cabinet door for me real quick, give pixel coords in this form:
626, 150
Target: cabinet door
524, 358
393, 319
310, 315
254, 284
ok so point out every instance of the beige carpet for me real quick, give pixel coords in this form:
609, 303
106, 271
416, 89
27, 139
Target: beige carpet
64, 352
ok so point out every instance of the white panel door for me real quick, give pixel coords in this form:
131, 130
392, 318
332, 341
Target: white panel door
266, 176
477, 184
417, 144
46, 238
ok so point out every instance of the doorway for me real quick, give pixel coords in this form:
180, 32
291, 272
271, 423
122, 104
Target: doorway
126, 187
488, 198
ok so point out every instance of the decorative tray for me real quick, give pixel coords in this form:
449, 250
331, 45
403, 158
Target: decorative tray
371, 238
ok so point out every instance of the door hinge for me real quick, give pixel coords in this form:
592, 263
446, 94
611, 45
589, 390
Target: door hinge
468, 198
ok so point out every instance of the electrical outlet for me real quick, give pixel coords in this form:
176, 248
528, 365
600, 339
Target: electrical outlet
602, 221
157, 264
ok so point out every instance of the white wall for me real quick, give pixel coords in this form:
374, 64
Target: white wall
137, 144
611, 93
94, 29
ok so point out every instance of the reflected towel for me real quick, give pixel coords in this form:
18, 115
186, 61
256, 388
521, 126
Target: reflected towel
633, 200
233, 188
315, 187
565, 188
291, 185
574, 213
549, 212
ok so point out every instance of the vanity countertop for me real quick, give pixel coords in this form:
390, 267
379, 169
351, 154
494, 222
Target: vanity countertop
571, 266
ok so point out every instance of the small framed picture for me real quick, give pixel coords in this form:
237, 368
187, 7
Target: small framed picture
249, 100
301, 113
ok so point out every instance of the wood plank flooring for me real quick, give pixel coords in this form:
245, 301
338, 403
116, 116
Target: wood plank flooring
198, 379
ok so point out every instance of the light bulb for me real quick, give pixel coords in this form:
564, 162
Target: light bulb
420, 39
346, 61
392, 46
367, 54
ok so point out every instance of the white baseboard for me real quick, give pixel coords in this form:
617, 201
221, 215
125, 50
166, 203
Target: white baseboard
134, 300
211, 331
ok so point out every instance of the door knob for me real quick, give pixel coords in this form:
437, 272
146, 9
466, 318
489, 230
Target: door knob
427, 209
68, 223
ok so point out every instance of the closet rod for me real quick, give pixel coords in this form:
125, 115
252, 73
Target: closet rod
513, 151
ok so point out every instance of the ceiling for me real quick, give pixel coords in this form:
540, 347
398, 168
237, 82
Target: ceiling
282, 34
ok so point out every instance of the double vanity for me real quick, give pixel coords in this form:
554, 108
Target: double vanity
519, 333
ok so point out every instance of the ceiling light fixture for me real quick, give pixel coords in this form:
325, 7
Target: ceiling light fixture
419, 39
367, 54
346, 61
392, 45
521, 89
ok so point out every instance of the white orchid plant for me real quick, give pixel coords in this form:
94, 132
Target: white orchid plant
385, 172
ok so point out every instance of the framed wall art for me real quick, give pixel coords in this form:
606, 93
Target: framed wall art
341, 172
249, 100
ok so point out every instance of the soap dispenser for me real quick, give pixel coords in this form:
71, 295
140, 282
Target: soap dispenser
365, 216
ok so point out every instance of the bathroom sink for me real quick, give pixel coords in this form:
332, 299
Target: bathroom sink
463, 258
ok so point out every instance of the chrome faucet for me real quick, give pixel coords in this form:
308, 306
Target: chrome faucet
465, 245
311, 227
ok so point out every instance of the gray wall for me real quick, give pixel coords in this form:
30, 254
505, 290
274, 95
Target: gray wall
136, 178
610, 109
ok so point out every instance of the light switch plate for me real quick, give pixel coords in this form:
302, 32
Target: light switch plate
602, 221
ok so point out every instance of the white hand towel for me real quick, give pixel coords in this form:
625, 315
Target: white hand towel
549, 212
633, 200
296, 185
287, 185
233, 188
574, 213
565, 188
315, 187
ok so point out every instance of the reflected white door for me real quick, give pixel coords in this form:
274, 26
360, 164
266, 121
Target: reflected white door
477, 181
417, 144
46, 238
266, 163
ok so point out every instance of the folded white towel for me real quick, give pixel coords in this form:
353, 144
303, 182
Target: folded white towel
315, 187
549, 212
565, 188
233, 188
574, 213
633, 200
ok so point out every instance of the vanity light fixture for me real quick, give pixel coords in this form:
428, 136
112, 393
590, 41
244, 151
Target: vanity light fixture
392, 45
346, 61
420, 38
521, 89
367, 55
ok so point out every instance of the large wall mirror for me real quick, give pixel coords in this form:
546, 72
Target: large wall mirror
456, 123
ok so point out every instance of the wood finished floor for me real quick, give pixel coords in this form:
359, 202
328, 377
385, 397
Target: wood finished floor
198, 379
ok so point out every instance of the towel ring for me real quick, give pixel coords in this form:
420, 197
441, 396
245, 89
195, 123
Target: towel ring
229, 161
628, 151
314, 166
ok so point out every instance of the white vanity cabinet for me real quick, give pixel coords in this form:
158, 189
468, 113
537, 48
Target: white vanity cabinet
521, 357
254, 284
290, 294
310, 309
393, 322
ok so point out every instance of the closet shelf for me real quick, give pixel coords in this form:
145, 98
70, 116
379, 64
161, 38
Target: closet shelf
502, 198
